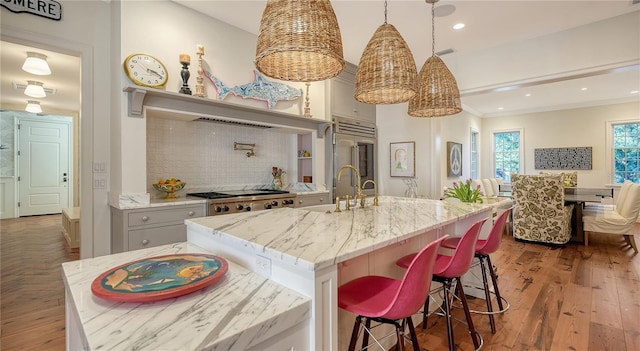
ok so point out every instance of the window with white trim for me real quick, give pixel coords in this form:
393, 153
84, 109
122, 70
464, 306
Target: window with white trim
507, 154
625, 140
474, 154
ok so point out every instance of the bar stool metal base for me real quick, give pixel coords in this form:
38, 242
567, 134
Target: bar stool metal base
449, 287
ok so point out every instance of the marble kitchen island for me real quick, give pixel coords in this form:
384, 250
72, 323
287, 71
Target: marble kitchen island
314, 252
243, 311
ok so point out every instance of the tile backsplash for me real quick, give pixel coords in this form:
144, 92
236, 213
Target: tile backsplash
201, 154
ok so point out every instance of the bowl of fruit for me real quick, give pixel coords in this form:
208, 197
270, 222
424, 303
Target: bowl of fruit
169, 186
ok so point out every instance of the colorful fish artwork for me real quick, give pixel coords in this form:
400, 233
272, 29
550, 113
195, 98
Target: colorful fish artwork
260, 89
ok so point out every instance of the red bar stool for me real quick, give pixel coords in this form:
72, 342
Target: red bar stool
388, 300
447, 270
485, 247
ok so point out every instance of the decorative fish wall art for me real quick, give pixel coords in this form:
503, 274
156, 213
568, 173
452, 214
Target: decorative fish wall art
260, 89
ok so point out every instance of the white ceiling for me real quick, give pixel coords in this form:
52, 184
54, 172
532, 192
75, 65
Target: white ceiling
489, 24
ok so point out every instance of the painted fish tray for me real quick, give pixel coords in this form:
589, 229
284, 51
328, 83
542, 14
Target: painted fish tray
158, 278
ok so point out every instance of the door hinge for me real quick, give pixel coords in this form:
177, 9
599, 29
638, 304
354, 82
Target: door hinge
18, 204
18, 126
18, 152
18, 178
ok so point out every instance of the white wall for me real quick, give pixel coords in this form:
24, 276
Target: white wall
431, 136
567, 128
229, 55
84, 31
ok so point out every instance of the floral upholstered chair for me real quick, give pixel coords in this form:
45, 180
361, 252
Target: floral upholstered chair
539, 213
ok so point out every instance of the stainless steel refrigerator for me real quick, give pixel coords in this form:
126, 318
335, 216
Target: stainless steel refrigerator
354, 143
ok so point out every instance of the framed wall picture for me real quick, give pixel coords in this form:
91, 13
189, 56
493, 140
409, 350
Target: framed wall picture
403, 159
454, 159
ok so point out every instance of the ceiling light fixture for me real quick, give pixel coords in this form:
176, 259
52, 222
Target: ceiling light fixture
299, 41
34, 89
36, 64
438, 93
387, 72
33, 106
458, 26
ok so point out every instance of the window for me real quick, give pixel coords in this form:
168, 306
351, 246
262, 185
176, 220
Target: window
474, 154
507, 154
626, 152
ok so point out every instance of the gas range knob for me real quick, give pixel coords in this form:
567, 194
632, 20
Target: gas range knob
274, 203
248, 208
287, 202
224, 208
267, 206
239, 207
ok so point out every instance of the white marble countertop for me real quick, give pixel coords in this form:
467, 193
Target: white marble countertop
312, 239
239, 311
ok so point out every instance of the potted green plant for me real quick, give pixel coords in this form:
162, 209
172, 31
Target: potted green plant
464, 191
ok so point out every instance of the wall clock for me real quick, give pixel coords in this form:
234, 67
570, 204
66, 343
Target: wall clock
145, 70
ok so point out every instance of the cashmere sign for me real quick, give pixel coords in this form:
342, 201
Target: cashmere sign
44, 8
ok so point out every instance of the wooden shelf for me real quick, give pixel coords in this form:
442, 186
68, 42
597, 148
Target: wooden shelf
148, 101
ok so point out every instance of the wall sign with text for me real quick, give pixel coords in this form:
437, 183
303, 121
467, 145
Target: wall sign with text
44, 8
563, 158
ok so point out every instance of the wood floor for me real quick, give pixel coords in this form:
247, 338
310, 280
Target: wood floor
571, 298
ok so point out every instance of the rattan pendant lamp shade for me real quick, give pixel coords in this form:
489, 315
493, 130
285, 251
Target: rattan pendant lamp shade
387, 71
299, 40
438, 93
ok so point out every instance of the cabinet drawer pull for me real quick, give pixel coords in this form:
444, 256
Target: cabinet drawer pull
191, 213
145, 242
145, 218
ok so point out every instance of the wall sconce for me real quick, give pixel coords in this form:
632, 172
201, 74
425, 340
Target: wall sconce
34, 89
245, 147
33, 106
36, 64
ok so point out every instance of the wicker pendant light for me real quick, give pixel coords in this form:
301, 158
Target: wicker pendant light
438, 93
387, 71
299, 40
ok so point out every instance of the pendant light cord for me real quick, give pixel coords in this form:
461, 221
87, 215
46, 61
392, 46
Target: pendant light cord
433, 29
385, 11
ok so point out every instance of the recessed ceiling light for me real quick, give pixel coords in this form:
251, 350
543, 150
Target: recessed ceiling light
634, 92
527, 94
458, 26
500, 108
583, 89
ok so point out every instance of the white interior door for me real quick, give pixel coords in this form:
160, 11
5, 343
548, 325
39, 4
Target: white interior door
44, 167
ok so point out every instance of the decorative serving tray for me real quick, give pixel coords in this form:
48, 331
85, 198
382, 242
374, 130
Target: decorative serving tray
158, 278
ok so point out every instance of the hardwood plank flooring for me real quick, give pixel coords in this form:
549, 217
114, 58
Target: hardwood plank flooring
31, 289
570, 298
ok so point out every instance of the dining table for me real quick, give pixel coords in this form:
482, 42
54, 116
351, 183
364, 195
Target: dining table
573, 195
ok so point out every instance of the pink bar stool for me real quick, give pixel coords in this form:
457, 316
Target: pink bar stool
447, 270
388, 300
485, 247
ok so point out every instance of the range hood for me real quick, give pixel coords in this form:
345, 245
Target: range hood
154, 103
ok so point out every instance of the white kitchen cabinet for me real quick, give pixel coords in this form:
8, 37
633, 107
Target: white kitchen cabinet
151, 226
313, 199
341, 90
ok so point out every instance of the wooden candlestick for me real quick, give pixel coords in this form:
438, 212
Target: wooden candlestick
307, 109
199, 79
185, 60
